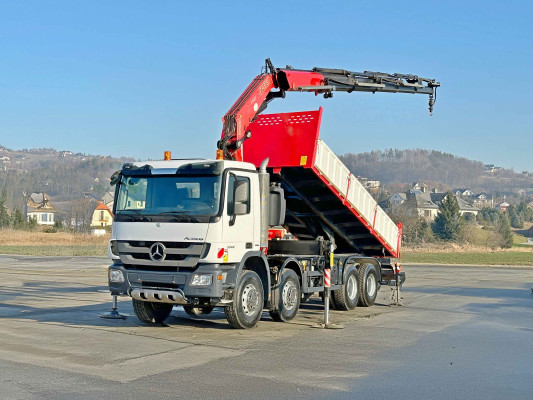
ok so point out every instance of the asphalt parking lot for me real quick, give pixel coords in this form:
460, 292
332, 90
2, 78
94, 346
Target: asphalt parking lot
463, 332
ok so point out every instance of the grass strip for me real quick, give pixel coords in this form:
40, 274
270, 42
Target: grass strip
471, 258
76, 250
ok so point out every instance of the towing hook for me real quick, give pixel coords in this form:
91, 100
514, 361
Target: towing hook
431, 103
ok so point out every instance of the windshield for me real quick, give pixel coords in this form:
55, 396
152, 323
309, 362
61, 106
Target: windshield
175, 198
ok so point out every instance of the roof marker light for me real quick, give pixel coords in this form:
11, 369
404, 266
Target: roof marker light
167, 156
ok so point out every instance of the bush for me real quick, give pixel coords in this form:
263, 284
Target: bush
32, 224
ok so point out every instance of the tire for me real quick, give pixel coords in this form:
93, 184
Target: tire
151, 312
196, 311
368, 284
289, 297
248, 301
347, 297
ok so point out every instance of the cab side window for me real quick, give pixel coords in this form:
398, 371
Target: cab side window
231, 190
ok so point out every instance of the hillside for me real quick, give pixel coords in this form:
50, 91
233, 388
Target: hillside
441, 170
62, 174
65, 175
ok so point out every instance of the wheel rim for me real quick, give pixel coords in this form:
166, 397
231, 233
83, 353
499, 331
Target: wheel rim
250, 299
351, 287
289, 295
371, 285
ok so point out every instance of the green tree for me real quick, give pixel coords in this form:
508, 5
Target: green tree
516, 216
449, 223
18, 221
504, 229
4, 216
488, 216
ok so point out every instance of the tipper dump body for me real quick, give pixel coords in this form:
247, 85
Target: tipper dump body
323, 197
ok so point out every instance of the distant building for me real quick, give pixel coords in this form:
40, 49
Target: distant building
491, 168
504, 206
102, 216
463, 192
38, 207
426, 205
108, 199
483, 200
419, 186
4, 162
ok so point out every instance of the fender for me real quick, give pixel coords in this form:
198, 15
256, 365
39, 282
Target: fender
287, 261
359, 260
262, 269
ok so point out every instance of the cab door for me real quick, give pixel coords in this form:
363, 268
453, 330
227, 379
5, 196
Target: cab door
237, 219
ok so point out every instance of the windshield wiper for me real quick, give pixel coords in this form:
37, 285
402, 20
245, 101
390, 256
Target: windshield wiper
137, 213
179, 214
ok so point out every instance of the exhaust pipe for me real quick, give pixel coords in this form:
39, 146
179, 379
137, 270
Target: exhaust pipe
264, 195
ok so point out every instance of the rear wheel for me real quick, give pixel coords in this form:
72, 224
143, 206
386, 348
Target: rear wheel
196, 311
347, 296
368, 284
151, 312
248, 300
289, 297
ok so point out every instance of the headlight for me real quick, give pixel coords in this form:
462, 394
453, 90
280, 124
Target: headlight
113, 247
201, 280
116, 275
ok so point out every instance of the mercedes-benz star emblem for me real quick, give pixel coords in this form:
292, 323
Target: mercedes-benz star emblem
157, 251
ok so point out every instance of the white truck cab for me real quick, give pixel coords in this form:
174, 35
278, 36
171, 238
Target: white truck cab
183, 230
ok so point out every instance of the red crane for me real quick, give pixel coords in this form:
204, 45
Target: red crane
262, 90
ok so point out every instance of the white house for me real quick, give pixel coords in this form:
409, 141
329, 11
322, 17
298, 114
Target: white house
38, 207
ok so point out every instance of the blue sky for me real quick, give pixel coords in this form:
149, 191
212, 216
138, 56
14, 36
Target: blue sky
137, 78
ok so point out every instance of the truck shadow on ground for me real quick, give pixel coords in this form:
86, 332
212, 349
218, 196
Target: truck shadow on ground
50, 302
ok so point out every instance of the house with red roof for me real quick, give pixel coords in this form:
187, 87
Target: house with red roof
102, 216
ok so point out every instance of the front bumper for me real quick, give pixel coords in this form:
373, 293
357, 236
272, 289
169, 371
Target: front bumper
174, 287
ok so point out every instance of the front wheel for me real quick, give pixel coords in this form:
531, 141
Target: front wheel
248, 300
289, 297
151, 312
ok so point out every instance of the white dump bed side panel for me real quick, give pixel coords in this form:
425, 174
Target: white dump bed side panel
332, 168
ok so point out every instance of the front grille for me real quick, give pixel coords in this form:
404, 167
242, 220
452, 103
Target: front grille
168, 245
146, 256
136, 254
151, 268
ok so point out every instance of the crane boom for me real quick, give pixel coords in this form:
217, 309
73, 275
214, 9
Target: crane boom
261, 91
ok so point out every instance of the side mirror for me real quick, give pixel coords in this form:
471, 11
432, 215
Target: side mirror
240, 197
